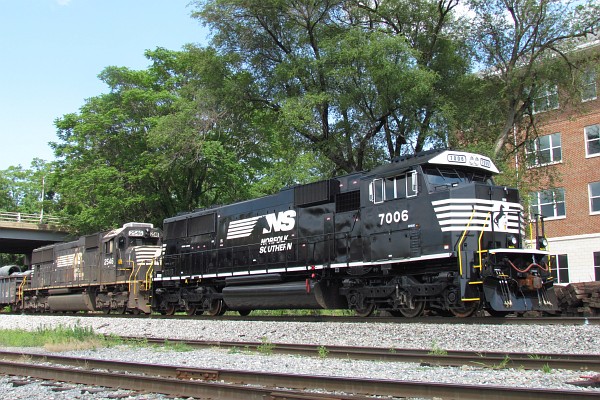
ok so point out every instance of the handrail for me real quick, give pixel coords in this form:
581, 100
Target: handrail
479, 251
148, 277
462, 238
21, 288
29, 218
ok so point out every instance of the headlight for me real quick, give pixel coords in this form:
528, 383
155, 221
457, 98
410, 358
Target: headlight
511, 240
542, 242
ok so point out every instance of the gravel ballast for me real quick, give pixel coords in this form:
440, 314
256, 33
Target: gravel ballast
532, 339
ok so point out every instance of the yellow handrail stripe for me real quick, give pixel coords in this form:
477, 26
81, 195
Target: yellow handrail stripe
462, 238
479, 251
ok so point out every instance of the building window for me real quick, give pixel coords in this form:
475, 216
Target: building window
546, 99
544, 150
597, 265
560, 268
588, 85
592, 140
549, 203
594, 190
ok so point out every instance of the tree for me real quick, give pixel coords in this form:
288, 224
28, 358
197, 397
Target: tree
27, 190
524, 44
355, 81
171, 138
105, 172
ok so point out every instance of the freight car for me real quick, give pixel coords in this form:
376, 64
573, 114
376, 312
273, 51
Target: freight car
107, 271
426, 231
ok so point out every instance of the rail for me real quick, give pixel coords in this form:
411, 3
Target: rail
29, 218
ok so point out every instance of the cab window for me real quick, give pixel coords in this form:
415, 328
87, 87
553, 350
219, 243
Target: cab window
396, 187
109, 246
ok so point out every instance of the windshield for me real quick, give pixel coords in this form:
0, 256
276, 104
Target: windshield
441, 178
143, 242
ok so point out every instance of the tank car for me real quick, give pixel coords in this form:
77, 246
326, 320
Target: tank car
430, 231
100, 272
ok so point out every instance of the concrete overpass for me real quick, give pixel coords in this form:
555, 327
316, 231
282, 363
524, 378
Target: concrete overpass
21, 233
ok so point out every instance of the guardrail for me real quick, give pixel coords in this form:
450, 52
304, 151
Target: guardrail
29, 218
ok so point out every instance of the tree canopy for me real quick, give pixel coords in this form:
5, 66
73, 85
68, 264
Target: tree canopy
291, 91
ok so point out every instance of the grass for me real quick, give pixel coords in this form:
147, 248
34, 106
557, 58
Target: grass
546, 369
323, 352
61, 338
436, 350
266, 347
176, 346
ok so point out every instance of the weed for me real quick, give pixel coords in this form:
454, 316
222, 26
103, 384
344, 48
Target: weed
392, 350
233, 350
437, 350
323, 352
502, 363
266, 347
176, 346
546, 369
538, 357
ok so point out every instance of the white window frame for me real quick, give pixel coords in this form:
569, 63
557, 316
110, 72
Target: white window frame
536, 150
588, 80
592, 196
587, 141
377, 186
545, 95
412, 187
554, 204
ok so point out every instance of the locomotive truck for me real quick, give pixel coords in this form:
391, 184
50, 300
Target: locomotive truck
429, 231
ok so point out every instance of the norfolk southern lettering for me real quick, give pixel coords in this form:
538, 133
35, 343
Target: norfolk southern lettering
277, 243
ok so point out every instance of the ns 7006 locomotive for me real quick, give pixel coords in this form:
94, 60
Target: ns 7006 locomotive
429, 231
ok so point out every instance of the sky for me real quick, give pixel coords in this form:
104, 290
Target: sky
51, 52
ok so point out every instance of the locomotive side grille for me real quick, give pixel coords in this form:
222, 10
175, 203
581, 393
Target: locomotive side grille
316, 192
348, 201
455, 215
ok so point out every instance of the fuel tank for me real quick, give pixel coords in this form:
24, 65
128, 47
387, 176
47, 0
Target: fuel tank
293, 295
71, 302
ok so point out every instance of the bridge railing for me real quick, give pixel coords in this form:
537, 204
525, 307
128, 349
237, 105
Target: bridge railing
29, 218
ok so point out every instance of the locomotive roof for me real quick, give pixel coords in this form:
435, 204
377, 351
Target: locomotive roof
437, 157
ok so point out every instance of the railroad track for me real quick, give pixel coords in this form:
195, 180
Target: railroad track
511, 320
437, 357
228, 384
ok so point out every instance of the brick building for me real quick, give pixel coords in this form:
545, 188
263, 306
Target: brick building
563, 175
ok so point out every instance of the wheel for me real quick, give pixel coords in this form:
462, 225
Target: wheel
106, 310
244, 313
121, 310
497, 314
170, 309
190, 310
366, 311
216, 308
411, 310
465, 309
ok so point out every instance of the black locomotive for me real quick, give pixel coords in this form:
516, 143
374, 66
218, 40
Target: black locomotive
106, 271
425, 231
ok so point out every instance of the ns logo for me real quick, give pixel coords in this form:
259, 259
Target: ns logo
281, 222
